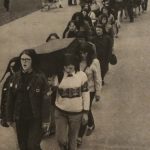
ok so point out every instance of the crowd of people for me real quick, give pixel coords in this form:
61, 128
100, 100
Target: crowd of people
62, 104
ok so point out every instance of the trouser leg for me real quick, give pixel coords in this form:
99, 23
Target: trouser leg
90, 114
104, 69
52, 119
22, 129
35, 134
146, 3
82, 130
130, 13
74, 125
61, 121
69, 2
90, 118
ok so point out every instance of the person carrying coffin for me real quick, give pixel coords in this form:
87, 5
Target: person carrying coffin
27, 105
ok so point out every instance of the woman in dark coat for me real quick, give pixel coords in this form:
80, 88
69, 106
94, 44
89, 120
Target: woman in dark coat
11, 69
27, 105
81, 24
86, 17
104, 46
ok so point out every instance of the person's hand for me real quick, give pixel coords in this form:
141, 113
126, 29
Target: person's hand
85, 118
11, 124
49, 93
97, 98
54, 88
45, 126
4, 123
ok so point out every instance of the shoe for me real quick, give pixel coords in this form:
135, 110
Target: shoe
90, 130
116, 36
131, 20
60, 6
103, 83
79, 142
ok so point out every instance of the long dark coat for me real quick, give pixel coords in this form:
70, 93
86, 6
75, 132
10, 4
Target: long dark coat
104, 50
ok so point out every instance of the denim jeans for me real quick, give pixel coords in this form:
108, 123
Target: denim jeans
67, 128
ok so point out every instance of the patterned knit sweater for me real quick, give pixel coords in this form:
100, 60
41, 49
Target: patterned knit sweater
73, 95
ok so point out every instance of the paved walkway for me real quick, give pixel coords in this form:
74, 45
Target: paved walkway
122, 117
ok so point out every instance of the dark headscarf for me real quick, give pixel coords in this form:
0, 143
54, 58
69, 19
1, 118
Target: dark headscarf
15, 68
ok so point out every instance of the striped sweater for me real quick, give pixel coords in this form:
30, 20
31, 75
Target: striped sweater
73, 95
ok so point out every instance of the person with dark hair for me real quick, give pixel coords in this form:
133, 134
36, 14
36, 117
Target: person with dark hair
27, 105
72, 103
104, 47
91, 66
109, 32
102, 20
144, 5
11, 69
117, 7
70, 31
52, 36
129, 6
86, 17
106, 3
85, 4
7, 4
93, 17
111, 24
81, 24
107, 12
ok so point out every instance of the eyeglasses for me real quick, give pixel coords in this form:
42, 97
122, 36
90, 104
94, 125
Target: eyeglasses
25, 59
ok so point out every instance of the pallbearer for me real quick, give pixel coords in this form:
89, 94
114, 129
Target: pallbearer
27, 106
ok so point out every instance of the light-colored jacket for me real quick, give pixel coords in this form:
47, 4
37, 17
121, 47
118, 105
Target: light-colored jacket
94, 77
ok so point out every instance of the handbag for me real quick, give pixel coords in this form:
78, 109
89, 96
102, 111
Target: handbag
113, 59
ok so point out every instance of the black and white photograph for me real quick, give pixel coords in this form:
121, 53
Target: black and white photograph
74, 75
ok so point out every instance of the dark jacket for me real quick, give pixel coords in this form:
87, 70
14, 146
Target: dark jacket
104, 50
69, 34
4, 96
37, 89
